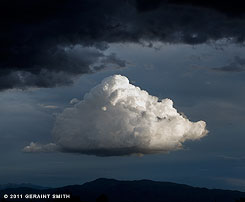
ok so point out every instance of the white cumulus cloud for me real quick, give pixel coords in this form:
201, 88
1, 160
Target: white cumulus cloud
118, 118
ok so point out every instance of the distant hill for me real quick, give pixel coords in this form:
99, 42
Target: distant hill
12, 185
109, 190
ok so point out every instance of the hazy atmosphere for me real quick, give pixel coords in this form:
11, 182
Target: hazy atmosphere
128, 89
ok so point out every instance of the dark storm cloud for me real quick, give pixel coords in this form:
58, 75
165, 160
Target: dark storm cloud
56, 67
230, 8
39, 38
238, 65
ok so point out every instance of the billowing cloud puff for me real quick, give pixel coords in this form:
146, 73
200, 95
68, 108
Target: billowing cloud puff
35, 147
118, 118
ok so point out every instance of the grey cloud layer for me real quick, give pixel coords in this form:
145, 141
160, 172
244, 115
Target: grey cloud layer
36, 35
238, 65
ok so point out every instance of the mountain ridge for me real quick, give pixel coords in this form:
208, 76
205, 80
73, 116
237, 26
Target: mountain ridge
111, 190
20, 185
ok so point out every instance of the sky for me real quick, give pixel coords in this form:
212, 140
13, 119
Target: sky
189, 52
